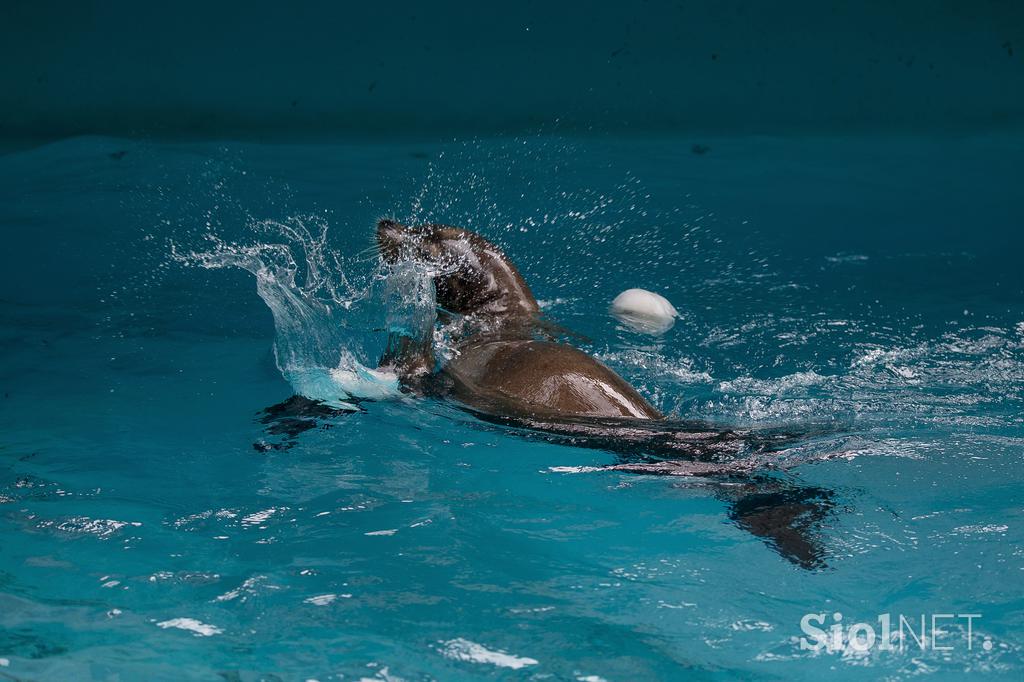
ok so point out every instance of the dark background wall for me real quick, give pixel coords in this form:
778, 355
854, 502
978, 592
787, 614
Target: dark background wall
279, 68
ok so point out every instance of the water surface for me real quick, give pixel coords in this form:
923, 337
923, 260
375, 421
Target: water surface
157, 523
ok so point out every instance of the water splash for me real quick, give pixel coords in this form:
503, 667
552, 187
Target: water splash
329, 327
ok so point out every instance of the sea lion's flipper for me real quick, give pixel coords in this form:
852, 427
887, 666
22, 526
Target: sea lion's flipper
287, 420
410, 357
787, 516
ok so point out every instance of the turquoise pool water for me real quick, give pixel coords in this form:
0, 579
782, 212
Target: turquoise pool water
157, 522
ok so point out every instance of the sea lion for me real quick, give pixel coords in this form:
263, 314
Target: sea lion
507, 370
500, 367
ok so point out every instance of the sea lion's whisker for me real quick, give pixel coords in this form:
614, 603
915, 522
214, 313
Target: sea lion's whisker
370, 253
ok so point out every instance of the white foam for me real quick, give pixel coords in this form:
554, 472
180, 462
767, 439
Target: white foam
770, 387
464, 650
325, 599
259, 517
350, 379
192, 625
573, 470
978, 529
364, 382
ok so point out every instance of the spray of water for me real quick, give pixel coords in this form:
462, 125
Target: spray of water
329, 329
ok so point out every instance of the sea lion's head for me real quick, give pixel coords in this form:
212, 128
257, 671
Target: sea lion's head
471, 275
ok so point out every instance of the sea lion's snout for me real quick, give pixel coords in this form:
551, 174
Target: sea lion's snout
422, 243
394, 240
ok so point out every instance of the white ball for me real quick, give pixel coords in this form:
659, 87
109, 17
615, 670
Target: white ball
644, 311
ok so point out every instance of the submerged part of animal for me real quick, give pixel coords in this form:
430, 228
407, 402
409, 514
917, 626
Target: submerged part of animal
500, 366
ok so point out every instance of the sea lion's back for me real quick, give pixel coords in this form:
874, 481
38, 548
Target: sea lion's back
530, 378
